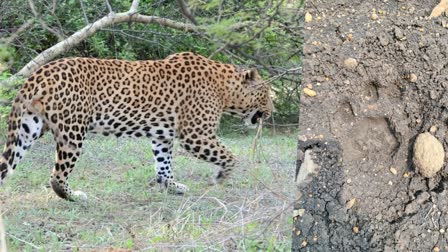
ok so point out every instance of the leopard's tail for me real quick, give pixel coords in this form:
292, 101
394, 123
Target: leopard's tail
25, 125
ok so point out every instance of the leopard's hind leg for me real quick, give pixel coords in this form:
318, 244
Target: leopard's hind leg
67, 154
24, 128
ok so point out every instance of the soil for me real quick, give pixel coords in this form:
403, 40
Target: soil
361, 126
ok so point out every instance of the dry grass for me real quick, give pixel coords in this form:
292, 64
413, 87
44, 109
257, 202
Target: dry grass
250, 212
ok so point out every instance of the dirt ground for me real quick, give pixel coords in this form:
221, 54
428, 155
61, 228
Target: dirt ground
362, 124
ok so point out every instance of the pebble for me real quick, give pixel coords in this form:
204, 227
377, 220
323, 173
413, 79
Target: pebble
309, 92
308, 17
433, 129
350, 203
374, 16
429, 155
393, 171
413, 78
350, 63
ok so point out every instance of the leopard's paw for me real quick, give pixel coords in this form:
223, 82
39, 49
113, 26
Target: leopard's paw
78, 196
176, 188
220, 178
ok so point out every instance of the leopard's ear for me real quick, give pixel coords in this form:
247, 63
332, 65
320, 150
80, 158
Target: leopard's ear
250, 74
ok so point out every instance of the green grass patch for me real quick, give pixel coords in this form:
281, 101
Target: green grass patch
250, 211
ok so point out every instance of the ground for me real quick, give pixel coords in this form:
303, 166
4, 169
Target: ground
366, 194
251, 211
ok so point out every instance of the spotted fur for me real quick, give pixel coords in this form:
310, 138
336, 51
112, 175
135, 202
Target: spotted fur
182, 96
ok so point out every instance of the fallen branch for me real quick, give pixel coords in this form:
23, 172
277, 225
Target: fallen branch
91, 29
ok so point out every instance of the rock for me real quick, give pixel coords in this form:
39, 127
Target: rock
413, 78
309, 92
308, 17
350, 63
307, 169
411, 208
428, 155
350, 203
374, 16
433, 129
399, 34
393, 171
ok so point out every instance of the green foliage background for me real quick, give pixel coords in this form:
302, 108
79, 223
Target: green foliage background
263, 34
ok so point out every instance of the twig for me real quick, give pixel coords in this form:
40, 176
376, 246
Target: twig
84, 12
21, 29
2, 235
257, 136
26, 242
41, 21
186, 11
109, 7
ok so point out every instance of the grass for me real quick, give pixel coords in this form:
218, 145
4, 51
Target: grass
249, 212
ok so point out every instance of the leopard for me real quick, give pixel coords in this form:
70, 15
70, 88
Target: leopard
182, 97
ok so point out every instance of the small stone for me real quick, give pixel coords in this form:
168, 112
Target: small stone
399, 34
304, 243
412, 78
390, 183
308, 17
315, 238
350, 203
298, 232
411, 208
374, 16
436, 249
442, 231
428, 155
301, 212
433, 129
309, 85
350, 63
349, 181
350, 37
356, 230
309, 92
393, 171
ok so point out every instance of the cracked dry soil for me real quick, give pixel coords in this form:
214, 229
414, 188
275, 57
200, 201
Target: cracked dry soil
362, 124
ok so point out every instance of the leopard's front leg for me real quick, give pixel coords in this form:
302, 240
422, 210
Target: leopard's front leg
162, 150
210, 149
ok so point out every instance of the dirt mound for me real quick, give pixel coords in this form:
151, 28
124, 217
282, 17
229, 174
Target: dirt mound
380, 70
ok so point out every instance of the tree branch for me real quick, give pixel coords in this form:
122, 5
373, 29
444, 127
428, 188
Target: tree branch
42, 23
134, 6
21, 29
91, 29
186, 11
84, 12
109, 7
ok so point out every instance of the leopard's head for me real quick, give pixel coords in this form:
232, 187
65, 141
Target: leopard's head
253, 100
